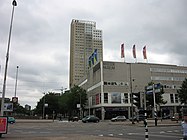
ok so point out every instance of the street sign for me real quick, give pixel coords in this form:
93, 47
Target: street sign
151, 91
15, 99
8, 107
157, 88
3, 125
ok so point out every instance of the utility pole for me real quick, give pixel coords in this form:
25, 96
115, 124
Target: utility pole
16, 80
14, 3
132, 112
155, 109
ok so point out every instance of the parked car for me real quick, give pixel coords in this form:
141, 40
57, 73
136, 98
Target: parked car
166, 117
119, 118
11, 120
75, 118
90, 119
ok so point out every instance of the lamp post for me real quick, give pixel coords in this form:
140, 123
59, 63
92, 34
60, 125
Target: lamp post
14, 3
132, 112
43, 116
80, 107
16, 80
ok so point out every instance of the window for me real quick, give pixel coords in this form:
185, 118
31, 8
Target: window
105, 97
176, 98
126, 101
171, 98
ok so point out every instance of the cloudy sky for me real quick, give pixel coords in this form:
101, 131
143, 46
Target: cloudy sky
41, 38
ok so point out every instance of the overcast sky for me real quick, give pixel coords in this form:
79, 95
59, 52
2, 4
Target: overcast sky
41, 38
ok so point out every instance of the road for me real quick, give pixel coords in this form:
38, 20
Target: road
101, 130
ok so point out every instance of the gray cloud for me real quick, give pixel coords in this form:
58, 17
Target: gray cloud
41, 36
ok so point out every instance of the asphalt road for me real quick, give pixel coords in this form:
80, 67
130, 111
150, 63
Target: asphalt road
96, 131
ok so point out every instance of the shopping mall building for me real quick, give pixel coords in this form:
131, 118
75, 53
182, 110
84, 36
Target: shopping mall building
109, 85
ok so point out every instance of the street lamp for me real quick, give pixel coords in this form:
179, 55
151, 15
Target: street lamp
14, 3
43, 116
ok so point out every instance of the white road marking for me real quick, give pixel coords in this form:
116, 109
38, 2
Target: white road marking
162, 132
111, 135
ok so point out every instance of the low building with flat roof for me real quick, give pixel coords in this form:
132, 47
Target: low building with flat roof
109, 85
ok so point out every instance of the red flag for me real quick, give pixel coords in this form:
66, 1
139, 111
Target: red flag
144, 52
134, 51
122, 51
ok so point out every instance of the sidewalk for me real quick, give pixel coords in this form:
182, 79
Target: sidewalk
65, 137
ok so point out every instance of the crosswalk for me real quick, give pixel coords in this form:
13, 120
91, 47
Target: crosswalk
173, 133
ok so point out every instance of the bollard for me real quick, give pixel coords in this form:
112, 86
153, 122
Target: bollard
155, 115
146, 127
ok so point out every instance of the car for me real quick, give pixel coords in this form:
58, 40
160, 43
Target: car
90, 118
75, 118
119, 118
166, 117
11, 120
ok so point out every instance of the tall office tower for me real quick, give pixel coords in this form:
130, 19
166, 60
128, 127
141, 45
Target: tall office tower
84, 39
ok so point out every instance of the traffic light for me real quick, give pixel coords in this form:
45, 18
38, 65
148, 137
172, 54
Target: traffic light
136, 99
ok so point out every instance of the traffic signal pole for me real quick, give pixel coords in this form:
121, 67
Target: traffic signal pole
132, 112
155, 110
145, 120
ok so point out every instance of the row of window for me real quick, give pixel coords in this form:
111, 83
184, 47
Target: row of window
165, 78
172, 86
168, 70
116, 98
115, 83
174, 98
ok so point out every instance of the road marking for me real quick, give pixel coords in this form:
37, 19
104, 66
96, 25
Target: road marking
120, 134
132, 133
44, 132
162, 132
156, 135
101, 135
111, 135
169, 131
31, 132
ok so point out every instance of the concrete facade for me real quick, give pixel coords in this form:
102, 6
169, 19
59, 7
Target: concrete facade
84, 39
108, 86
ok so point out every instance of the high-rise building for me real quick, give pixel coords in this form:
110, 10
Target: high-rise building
84, 39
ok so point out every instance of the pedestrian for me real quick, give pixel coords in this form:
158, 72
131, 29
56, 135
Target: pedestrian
184, 126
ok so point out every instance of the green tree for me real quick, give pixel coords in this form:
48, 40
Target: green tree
18, 109
182, 92
158, 97
77, 95
66, 103
63, 103
52, 100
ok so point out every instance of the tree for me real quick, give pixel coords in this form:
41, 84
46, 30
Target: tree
66, 103
158, 97
182, 92
77, 95
52, 100
63, 105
